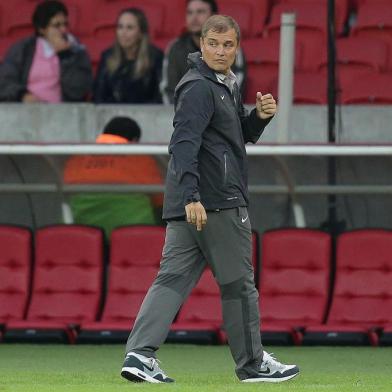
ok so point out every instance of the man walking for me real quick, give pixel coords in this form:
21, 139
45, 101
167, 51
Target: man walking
205, 205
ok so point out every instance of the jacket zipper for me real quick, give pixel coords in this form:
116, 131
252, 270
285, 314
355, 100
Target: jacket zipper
225, 162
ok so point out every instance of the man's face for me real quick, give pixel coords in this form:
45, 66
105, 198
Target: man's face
197, 12
219, 50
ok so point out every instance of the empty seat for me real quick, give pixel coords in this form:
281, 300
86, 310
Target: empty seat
362, 296
341, 9
16, 21
262, 57
15, 269
294, 282
356, 57
374, 20
310, 88
249, 14
373, 88
135, 254
67, 284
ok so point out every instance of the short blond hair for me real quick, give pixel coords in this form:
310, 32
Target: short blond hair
220, 24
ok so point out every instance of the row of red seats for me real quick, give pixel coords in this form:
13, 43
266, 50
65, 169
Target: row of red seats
299, 301
96, 18
254, 16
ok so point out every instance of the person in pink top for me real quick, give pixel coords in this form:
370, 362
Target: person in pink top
50, 66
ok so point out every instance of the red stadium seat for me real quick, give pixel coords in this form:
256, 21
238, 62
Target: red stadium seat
362, 296
67, 284
262, 55
310, 88
16, 21
15, 269
135, 254
310, 31
294, 282
357, 57
370, 89
249, 14
374, 20
341, 9
95, 47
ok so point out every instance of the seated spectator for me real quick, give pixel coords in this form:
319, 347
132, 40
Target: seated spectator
109, 210
175, 61
130, 71
48, 67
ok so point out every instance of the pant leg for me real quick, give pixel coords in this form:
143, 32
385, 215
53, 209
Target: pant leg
226, 243
181, 267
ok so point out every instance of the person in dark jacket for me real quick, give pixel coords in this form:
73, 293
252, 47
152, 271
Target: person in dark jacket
50, 66
175, 60
207, 176
130, 71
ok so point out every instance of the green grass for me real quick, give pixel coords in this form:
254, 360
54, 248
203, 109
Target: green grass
42, 368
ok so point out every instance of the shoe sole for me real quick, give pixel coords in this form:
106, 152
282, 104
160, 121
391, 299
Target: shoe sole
136, 375
266, 379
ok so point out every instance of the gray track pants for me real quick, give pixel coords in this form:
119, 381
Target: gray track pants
225, 244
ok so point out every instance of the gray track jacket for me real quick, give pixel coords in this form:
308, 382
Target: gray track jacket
208, 158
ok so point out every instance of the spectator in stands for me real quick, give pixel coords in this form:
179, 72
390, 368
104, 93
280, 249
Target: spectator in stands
50, 66
130, 71
109, 210
175, 61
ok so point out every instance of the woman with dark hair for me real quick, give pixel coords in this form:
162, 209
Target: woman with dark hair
130, 70
48, 67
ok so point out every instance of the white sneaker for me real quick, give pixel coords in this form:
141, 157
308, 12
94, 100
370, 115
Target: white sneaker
273, 371
138, 368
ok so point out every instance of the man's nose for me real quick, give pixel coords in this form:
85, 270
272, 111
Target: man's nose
220, 50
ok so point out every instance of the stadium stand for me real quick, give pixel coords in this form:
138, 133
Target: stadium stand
309, 88
251, 15
372, 88
67, 284
357, 57
15, 268
294, 283
262, 56
362, 296
135, 254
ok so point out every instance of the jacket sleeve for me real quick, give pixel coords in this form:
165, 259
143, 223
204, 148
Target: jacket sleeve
76, 74
12, 86
252, 125
194, 110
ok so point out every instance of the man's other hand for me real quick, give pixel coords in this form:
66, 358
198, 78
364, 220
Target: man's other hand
196, 215
265, 105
